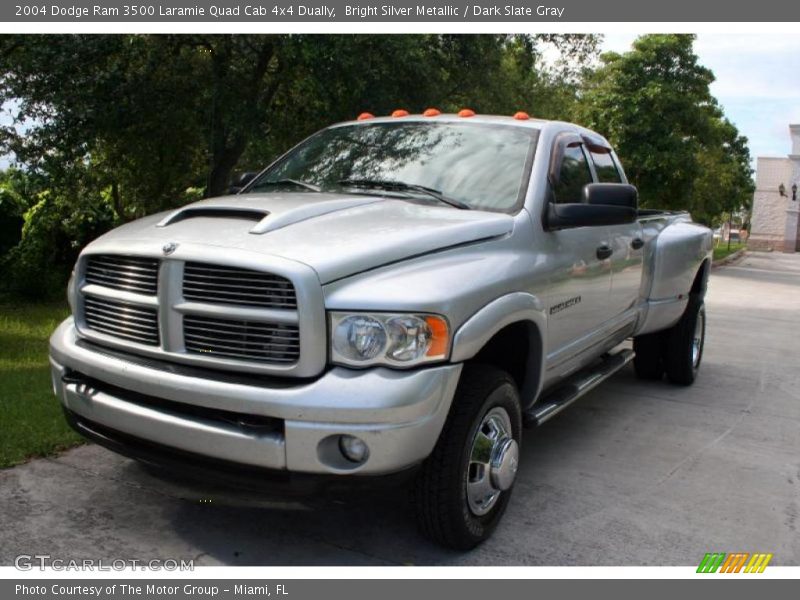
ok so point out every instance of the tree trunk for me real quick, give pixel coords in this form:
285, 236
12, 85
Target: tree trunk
226, 145
117, 201
223, 163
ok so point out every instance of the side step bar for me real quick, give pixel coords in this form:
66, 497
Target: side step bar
575, 386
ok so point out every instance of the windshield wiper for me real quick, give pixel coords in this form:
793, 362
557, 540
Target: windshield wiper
294, 182
400, 186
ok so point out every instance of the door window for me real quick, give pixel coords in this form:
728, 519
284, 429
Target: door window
575, 174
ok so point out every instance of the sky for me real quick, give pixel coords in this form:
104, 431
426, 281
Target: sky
758, 83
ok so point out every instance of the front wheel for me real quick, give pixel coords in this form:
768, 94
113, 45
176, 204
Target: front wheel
464, 486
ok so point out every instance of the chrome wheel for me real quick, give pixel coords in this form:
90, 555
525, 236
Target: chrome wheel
493, 461
698, 338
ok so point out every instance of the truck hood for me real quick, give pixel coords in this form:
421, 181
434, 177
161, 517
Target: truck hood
335, 234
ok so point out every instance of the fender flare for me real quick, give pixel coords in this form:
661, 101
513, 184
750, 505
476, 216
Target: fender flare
506, 310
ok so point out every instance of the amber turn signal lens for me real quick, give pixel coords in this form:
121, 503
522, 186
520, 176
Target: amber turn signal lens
431, 112
466, 112
400, 113
440, 336
521, 116
364, 116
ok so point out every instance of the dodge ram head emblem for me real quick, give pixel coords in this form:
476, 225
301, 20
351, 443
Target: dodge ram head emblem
169, 248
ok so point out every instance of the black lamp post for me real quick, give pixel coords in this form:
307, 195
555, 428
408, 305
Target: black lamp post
794, 192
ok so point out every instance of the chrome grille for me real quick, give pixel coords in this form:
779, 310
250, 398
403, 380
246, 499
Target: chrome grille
249, 340
243, 287
127, 273
124, 320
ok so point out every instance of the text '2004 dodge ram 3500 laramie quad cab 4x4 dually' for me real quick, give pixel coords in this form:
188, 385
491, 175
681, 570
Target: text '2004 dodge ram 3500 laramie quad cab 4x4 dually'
393, 296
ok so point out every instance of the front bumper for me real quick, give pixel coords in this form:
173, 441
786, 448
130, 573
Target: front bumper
254, 421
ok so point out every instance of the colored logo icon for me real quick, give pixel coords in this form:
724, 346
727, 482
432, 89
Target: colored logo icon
736, 562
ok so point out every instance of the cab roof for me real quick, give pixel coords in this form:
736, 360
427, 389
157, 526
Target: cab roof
530, 122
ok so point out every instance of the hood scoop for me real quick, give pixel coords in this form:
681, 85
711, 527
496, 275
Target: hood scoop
304, 212
217, 212
281, 215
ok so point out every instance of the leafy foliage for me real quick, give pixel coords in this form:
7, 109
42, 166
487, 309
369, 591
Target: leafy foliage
655, 106
113, 127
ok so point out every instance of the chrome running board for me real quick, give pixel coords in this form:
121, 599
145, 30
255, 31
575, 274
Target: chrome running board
574, 387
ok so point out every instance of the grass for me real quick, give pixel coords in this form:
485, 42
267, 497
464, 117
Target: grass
31, 422
721, 251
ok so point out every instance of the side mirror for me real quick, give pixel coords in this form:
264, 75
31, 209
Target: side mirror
564, 216
611, 194
242, 182
603, 204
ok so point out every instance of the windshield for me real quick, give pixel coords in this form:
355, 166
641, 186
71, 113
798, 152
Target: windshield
477, 165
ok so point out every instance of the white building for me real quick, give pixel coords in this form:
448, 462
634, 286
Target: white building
774, 224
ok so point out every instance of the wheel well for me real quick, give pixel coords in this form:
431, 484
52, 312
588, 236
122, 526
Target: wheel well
515, 349
700, 282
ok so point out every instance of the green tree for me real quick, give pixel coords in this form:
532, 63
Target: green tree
48, 226
127, 125
724, 185
655, 106
157, 114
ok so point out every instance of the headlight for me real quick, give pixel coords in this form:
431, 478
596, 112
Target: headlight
400, 340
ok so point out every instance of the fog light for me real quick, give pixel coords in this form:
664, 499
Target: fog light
353, 448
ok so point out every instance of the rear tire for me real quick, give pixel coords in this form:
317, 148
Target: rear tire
648, 356
683, 349
457, 499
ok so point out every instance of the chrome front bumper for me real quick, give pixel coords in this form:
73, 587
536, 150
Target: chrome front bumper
399, 414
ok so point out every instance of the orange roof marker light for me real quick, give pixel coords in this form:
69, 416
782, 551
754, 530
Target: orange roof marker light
521, 116
466, 112
400, 113
364, 116
431, 112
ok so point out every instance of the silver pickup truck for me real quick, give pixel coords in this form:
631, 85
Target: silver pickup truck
391, 301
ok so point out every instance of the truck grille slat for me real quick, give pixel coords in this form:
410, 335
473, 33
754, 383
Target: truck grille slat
109, 317
133, 310
122, 319
239, 276
247, 346
266, 342
118, 331
244, 290
127, 273
244, 287
258, 338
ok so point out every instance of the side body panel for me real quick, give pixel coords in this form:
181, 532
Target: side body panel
677, 250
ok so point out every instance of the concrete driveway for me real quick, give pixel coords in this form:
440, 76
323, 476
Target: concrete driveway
633, 474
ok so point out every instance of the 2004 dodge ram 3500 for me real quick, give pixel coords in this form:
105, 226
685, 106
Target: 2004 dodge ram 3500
391, 300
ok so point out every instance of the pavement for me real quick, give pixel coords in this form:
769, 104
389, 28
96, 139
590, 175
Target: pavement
635, 473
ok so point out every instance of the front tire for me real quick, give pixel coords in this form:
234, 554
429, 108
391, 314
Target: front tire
684, 343
464, 486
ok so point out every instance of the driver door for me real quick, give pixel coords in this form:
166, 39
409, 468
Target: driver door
579, 288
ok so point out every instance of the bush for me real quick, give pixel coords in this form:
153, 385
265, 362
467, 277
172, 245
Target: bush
54, 229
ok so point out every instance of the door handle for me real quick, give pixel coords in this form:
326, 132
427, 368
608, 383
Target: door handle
604, 252
637, 243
